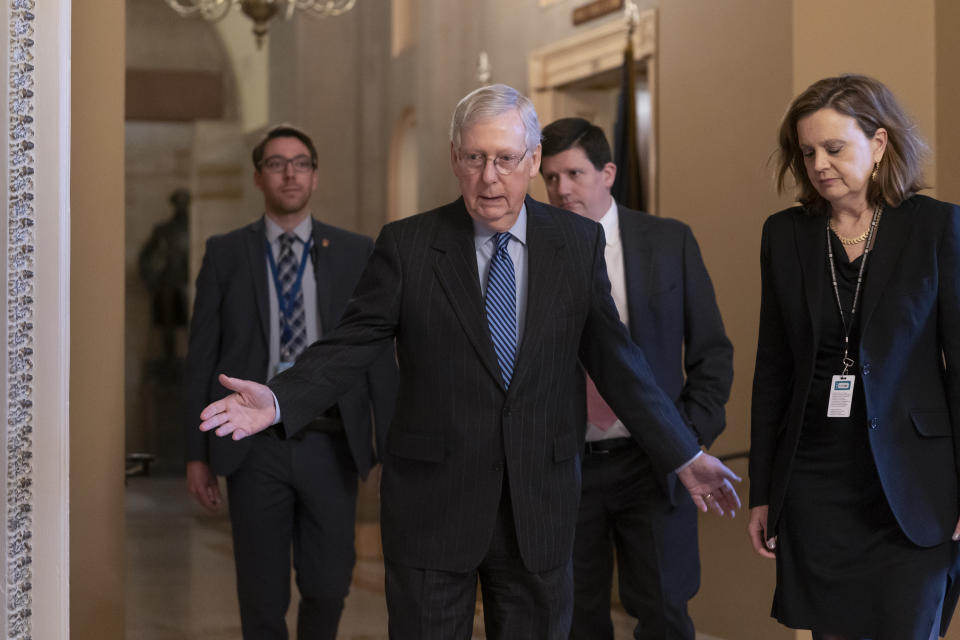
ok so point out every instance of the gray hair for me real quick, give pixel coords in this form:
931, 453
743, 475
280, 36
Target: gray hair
489, 102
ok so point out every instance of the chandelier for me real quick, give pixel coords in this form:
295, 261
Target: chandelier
261, 11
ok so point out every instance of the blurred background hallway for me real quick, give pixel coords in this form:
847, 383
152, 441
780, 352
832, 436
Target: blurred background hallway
98, 163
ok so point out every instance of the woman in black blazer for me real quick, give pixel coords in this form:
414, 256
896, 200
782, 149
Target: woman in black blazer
856, 393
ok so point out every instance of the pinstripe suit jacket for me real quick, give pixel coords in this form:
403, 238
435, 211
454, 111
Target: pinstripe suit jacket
456, 429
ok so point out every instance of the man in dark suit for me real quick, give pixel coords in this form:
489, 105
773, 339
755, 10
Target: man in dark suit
494, 300
664, 296
264, 292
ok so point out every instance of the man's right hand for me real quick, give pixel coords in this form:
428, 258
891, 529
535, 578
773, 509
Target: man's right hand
202, 485
246, 411
708, 481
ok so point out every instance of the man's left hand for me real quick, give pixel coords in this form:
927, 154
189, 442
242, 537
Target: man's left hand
709, 483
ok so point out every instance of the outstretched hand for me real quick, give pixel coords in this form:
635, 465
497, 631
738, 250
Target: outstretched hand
709, 483
246, 411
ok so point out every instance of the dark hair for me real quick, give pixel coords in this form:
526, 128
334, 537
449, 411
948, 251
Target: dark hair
283, 131
567, 133
873, 106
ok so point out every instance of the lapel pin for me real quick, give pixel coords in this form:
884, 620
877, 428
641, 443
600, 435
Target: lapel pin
325, 243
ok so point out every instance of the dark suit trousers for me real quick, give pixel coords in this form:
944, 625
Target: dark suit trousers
297, 494
623, 506
425, 604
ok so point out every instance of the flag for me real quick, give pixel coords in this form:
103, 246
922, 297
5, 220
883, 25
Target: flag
628, 185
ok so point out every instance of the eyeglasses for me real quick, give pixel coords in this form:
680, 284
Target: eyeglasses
505, 164
278, 164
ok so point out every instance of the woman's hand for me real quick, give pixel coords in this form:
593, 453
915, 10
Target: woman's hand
757, 528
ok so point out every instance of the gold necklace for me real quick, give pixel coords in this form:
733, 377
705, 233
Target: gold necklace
849, 241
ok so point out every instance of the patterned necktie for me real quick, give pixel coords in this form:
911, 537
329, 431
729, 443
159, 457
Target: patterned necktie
599, 413
501, 306
293, 323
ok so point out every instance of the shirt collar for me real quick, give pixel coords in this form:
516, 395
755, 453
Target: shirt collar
611, 223
482, 234
303, 230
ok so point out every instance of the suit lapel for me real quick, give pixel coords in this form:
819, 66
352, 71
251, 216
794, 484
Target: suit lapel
637, 266
811, 240
456, 269
893, 233
543, 246
323, 274
255, 241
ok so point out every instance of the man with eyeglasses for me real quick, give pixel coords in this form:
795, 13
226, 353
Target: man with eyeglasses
264, 292
494, 301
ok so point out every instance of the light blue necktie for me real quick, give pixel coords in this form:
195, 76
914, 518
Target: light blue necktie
501, 306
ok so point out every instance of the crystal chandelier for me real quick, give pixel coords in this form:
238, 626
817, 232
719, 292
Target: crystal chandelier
261, 11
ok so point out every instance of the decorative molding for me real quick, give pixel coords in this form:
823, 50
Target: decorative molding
21, 220
592, 52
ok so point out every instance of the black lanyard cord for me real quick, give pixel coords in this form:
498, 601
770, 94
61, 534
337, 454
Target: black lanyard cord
847, 361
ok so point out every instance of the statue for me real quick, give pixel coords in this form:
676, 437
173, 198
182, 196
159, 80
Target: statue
164, 268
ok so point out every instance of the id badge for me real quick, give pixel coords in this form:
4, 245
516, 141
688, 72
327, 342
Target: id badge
841, 396
283, 366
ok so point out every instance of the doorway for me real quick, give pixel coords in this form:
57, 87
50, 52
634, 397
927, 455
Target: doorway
581, 76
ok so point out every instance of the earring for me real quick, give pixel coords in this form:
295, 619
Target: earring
876, 170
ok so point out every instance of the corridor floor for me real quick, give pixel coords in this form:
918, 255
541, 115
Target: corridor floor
180, 580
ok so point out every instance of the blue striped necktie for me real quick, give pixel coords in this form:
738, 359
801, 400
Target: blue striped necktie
501, 306
293, 323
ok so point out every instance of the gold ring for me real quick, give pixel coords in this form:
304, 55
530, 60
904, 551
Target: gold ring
708, 496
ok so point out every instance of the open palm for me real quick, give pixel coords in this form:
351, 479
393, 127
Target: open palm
246, 411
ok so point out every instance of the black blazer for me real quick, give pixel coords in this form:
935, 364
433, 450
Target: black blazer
907, 364
673, 317
456, 429
230, 331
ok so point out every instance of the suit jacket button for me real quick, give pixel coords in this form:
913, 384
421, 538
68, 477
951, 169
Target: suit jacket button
866, 368
874, 423
497, 466
506, 412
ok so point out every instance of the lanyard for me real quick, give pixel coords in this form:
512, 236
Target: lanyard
847, 361
285, 302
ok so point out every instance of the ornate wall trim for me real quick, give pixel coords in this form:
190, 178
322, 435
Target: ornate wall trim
590, 53
35, 265
20, 267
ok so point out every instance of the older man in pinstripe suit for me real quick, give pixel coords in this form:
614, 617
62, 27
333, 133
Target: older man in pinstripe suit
481, 476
